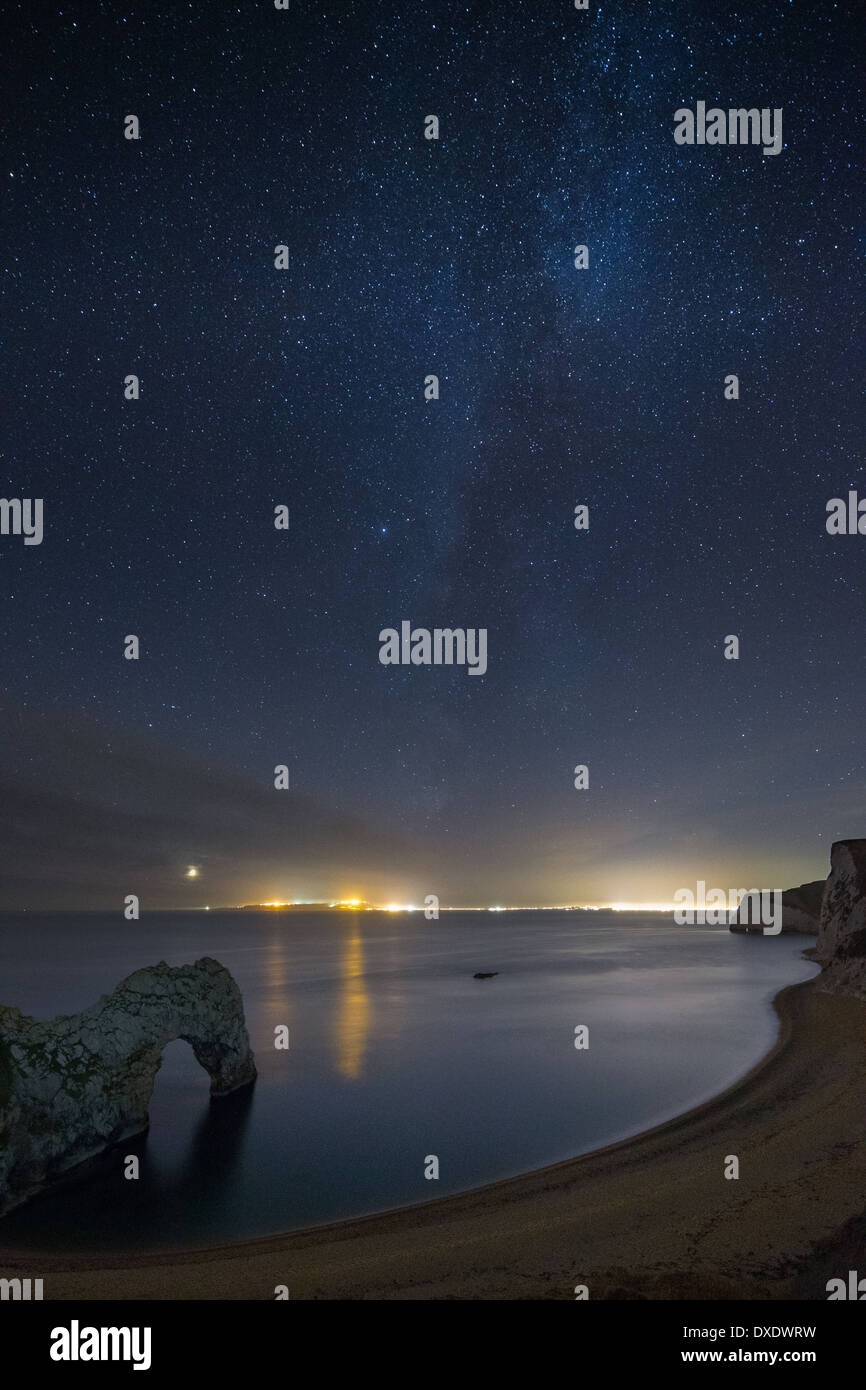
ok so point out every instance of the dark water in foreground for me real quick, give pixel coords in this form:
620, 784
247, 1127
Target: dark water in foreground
396, 1053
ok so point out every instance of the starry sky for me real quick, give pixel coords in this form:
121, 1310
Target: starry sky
304, 387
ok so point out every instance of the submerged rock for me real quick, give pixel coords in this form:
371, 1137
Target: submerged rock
73, 1086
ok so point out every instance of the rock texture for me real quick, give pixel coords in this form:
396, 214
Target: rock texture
801, 910
71, 1087
841, 945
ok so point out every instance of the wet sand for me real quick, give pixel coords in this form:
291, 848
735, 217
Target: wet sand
650, 1217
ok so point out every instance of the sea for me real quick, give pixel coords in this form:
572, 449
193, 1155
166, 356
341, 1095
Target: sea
397, 1056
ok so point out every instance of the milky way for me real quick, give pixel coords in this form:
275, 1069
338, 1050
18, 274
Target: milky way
305, 387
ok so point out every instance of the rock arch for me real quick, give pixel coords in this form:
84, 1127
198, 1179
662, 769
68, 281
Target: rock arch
73, 1086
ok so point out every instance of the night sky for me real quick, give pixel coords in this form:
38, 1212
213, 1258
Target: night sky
304, 387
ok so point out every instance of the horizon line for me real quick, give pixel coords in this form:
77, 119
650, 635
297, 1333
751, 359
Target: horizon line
323, 904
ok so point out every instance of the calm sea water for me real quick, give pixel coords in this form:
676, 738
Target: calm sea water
396, 1053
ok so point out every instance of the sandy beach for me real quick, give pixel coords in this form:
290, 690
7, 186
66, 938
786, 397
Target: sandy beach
650, 1217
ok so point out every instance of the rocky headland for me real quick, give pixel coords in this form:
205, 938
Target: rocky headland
841, 946
801, 911
834, 910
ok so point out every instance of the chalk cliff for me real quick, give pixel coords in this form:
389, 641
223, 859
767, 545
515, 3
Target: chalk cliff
73, 1086
801, 910
841, 945
840, 920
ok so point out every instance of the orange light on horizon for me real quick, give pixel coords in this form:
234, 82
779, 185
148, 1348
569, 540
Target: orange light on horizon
355, 904
643, 907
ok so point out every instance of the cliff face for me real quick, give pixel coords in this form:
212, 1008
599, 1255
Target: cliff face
801, 910
801, 907
836, 910
71, 1087
841, 945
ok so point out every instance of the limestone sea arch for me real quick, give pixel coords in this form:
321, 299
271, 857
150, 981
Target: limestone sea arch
72, 1086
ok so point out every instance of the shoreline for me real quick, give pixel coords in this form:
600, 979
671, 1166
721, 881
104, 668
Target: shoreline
650, 1216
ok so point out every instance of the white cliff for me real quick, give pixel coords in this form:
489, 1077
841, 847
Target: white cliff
841, 945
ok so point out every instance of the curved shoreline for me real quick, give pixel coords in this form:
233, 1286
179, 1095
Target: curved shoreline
651, 1215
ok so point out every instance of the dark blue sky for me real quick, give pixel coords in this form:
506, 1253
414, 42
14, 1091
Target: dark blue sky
305, 386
